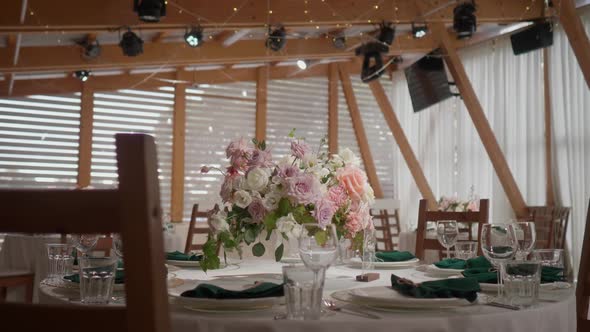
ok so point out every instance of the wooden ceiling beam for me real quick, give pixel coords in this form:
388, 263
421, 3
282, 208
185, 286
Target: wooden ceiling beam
71, 15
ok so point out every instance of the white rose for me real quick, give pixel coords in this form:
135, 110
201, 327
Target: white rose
286, 225
271, 201
242, 198
349, 158
286, 160
257, 179
368, 195
218, 222
310, 160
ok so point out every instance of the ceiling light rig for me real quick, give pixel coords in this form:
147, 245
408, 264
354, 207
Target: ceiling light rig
373, 52
82, 75
131, 44
194, 37
277, 38
339, 41
150, 10
90, 49
303, 64
419, 31
386, 33
464, 20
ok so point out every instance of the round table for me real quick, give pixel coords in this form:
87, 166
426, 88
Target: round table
555, 313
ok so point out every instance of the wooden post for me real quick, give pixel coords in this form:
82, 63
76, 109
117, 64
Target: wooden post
550, 196
403, 144
359, 131
576, 33
178, 144
333, 109
480, 121
261, 101
85, 138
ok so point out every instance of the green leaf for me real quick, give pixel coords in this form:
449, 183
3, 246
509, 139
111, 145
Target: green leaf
284, 207
292, 133
255, 141
210, 259
270, 221
321, 237
258, 249
285, 236
268, 234
250, 235
279, 252
263, 145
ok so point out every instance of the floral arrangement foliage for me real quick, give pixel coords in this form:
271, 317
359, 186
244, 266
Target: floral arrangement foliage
261, 196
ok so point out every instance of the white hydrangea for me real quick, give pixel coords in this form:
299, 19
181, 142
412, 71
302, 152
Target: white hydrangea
289, 226
257, 179
242, 198
271, 200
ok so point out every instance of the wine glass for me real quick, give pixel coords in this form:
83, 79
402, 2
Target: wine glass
526, 236
84, 242
499, 244
318, 246
118, 245
447, 233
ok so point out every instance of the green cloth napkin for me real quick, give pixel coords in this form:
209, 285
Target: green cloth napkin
463, 288
264, 289
489, 276
119, 277
180, 256
394, 256
460, 264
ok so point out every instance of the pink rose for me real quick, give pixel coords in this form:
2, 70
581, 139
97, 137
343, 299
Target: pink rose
230, 183
288, 171
299, 149
260, 158
337, 194
353, 179
303, 189
257, 210
473, 206
359, 219
324, 211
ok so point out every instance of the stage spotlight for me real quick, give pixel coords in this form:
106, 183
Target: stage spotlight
131, 44
386, 33
90, 49
303, 64
419, 31
339, 41
277, 39
464, 20
150, 10
82, 75
194, 37
373, 60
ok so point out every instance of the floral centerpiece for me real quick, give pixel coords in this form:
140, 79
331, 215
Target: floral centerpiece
261, 196
453, 204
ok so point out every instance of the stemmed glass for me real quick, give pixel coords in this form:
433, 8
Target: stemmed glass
447, 233
84, 242
118, 245
499, 244
526, 236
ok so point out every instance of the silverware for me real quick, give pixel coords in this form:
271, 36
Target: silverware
502, 305
330, 305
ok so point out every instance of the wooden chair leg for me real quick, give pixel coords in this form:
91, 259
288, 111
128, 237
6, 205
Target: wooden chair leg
29, 291
2, 294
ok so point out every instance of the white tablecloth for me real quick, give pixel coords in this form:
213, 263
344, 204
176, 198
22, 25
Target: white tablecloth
557, 315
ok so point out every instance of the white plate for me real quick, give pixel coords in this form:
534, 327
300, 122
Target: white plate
436, 271
233, 283
357, 262
184, 263
385, 296
494, 287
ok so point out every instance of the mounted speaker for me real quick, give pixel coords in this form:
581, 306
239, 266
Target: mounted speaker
538, 36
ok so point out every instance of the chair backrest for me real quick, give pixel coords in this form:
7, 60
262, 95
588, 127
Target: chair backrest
387, 228
583, 287
468, 219
551, 225
132, 210
561, 220
199, 227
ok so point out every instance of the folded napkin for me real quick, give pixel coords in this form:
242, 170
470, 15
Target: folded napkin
119, 277
460, 264
490, 275
180, 256
463, 288
394, 256
264, 289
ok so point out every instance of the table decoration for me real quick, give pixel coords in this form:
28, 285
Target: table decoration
263, 196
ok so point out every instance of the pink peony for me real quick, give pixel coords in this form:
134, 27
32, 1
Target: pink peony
260, 158
237, 147
303, 189
257, 210
337, 194
299, 149
353, 179
324, 211
288, 171
359, 219
239, 154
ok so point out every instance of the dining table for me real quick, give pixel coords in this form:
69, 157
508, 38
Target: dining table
554, 312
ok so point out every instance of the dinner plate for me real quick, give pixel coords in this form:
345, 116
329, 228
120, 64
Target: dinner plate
494, 287
385, 296
436, 271
357, 262
184, 263
232, 283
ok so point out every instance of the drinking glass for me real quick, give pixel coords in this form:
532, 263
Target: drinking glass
118, 245
303, 295
465, 249
84, 242
499, 245
549, 257
97, 277
369, 246
526, 236
447, 232
521, 282
60, 260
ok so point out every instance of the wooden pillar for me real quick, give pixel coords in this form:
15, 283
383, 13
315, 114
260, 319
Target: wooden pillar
178, 147
261, 102
359, 131
480, 121
574, 29
550, 196
403, 143
85, 136
333, 109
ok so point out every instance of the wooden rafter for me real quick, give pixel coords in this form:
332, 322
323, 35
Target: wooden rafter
403, 143
550, 196
359, 130
576, 33
333, 108
85, 138
178, 147
261, 101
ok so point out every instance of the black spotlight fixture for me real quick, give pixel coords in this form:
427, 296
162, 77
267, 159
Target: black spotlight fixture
464, 20
90, 49
131, 44
339, 41
373, 60
277, 38
386, 33
398, 59
419, 31
82, 75
150, 10
194, 37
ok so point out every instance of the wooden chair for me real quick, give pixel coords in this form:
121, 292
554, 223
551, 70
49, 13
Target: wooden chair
17, 279
550, 225
387, 224
560, 222
132, 210
471, 219
198, 226
583, 287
